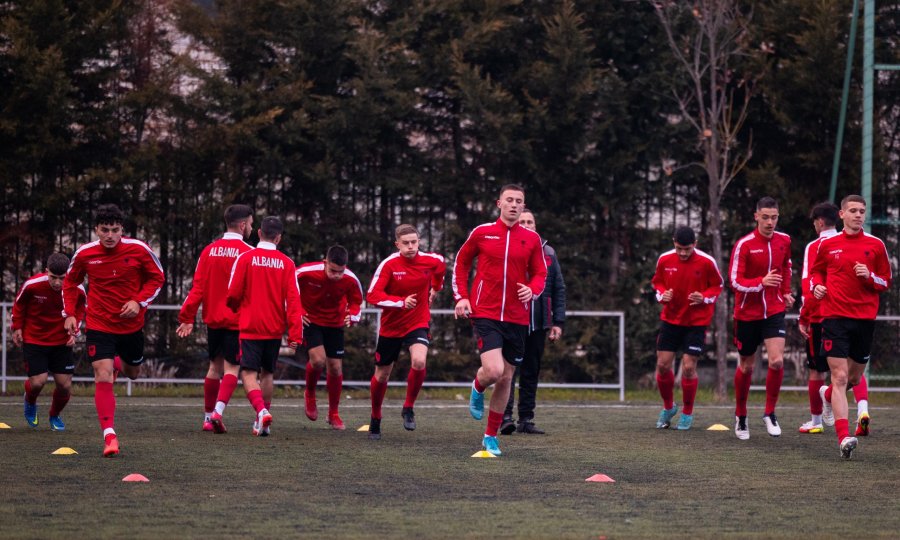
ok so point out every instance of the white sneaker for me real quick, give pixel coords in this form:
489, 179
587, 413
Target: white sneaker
827, 413
740, 428
811, 428
264, 432
848, 445
263, 421
772, 425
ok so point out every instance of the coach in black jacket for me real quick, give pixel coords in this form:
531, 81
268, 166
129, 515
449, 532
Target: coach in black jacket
548, 312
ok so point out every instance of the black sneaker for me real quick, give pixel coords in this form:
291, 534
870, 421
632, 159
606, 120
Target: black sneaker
409, 418
375, 429
507, 427
529, 427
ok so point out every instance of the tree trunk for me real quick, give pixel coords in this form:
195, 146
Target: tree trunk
721, 313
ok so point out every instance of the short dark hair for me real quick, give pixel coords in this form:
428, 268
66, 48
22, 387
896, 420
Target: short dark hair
684, 236
826, 211
337, 254
109, 214
853, 198
511, 187
766, 202
58, 264
236, 213
403, 229
271, 227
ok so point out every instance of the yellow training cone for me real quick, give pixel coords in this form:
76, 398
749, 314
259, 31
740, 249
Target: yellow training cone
64, 451
483, 454
4, 426
364, 428
717, 427
135, 477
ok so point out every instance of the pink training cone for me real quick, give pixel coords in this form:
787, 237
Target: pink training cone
599, 478
135, 477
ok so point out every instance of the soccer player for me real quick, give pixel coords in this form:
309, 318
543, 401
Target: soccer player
332, 299
687, 284
824, 217
850, 270
548, 312
210, 281
124, 277
263, 290
760, 274
404, 286
37, 327
510, 272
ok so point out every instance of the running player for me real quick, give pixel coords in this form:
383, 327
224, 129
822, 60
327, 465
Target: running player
404, 286
124, 277
332, 299
263, 290
37, 327
511, 270
210, 280
851, 270
687, 284
760, 274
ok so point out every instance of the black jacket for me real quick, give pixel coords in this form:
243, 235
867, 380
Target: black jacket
549, 309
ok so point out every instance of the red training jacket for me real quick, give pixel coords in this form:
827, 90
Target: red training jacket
850, 296
506, 256
263, 290
129, 271
211, 282
38, 312
697, 274
752, 258
810, 310
327, 302
398, 277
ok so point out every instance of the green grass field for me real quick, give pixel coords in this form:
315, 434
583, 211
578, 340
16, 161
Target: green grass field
308, 481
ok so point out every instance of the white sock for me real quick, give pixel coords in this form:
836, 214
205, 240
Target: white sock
816, 419
108, 431
220, 407
862, 407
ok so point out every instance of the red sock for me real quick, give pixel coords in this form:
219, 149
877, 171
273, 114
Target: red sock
255, 398
227, 387
842, 428
31, 393
377, 390
828, 393
665, 380
334, 383
312, 377
210, 392
773, 388
815, 400
493, 423
413, 385
861, 389
689, 393
60, 398
105, 401
741, 391
478, 388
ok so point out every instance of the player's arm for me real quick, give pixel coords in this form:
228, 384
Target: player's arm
377, 294
659, 283
191, 305
714, 284
354, 300
738, 269
18, 314
880, 274
462, 265
818, 275
154, 278
291, 294
71, 291
236, 283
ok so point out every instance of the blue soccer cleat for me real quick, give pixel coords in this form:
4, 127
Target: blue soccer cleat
490, 444
685, 422
56, 424
476, 404
665, 417
31, 413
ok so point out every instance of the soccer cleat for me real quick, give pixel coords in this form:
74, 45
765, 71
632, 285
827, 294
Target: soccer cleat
335, 421
263, 421
527, 426
665, 417
257, 432
685, 422
476, 404
507, 427
848, 445
218, 425
740, 428
827, 413
862, 425
811, 428
491, 444
409, 418
312, 412
375, 429
207, 425
56, 424
772, 425
31, 411
110, 445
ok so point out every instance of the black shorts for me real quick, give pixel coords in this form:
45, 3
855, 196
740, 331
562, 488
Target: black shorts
331, 338
674, 337
509, 337
224, 343
103, 345
259, 354
40, 359
748, 335
848, 338
814, 360
387, 350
